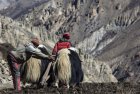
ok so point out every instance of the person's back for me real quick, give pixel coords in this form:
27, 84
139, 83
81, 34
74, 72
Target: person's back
62, 43
19, 52
24, 52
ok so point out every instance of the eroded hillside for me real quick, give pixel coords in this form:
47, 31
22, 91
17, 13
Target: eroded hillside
103, 29
106, 30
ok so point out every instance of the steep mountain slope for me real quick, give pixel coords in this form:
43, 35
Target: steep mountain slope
123, 54
103, 29
106, 30
116, 41
15, 33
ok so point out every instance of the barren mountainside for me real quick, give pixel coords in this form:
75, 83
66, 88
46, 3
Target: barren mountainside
22, 33
106, 32
103, 29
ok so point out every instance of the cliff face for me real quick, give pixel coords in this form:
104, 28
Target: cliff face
111, 23
114, 38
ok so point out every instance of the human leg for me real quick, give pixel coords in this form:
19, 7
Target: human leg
15, 71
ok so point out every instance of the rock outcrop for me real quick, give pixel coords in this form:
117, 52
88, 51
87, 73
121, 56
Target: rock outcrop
97, 71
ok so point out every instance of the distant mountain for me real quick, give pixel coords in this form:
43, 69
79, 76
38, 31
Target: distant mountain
6, 3
14, 8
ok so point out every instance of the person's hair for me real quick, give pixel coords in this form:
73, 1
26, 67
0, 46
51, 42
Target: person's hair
35, 41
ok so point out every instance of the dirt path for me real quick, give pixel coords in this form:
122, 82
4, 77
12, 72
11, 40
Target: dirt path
86, 88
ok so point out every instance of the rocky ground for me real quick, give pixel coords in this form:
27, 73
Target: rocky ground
5, 77
86, 88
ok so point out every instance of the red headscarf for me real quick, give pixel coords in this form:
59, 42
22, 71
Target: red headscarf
66, 35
